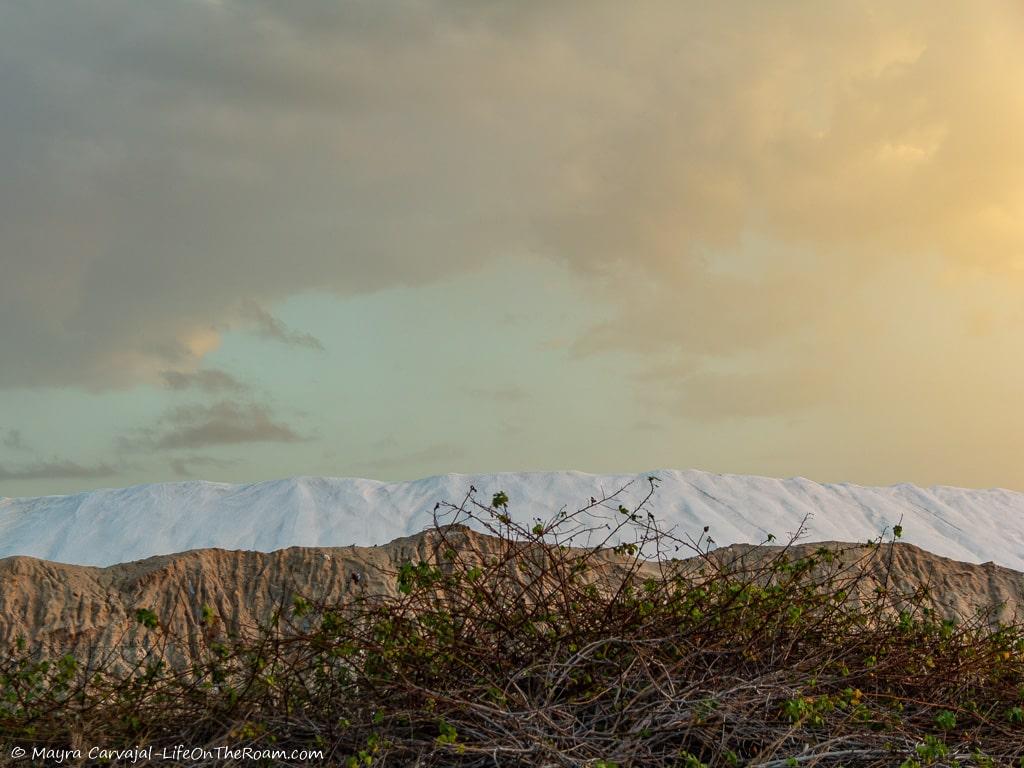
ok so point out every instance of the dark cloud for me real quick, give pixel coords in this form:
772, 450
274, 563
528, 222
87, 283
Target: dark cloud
213, 153
204, 379
56, 469
269, 327
200, 426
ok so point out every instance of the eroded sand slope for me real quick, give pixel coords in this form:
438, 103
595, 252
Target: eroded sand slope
61, 608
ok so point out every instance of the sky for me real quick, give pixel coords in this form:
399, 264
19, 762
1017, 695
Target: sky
243, 240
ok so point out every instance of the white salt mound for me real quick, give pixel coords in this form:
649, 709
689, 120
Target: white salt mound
105, 527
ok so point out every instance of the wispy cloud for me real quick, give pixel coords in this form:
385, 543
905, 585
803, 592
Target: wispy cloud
57, 469
269, 327
221, 423
187, 466
204, 379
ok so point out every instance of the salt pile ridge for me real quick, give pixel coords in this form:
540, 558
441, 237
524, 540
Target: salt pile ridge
111, 526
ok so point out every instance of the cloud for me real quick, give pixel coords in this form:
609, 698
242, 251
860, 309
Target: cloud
221, 423
56, 469
13, 439
204, 379
801, 208
270, 327
186, 466
217, 153
716, 173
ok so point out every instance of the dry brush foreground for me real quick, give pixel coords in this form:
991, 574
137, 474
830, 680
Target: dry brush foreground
523, 648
